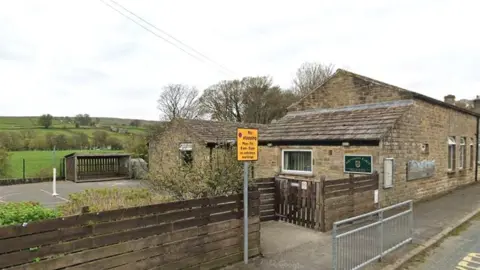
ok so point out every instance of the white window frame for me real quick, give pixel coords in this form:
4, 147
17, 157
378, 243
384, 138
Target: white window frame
462, 151
185, 147
451, 160
295, 171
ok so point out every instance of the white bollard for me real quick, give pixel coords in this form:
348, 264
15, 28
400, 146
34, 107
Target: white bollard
54, 193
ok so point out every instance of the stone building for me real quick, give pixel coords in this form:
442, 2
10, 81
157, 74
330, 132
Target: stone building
420, 146
186, 141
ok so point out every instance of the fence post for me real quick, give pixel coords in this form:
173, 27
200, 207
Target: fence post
411, 219
321, 203
334, 247
23, 166
380, 215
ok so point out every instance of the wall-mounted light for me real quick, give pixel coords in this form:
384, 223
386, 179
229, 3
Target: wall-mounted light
269, 144
345, 144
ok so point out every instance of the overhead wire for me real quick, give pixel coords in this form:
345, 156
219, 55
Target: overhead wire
221, 68
171, 36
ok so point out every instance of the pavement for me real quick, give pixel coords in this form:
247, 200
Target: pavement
42, 192
312, 250
460, 250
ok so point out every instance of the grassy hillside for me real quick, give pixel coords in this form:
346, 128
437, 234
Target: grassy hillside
115, 127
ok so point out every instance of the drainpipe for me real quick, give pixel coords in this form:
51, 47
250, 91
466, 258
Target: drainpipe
476, 147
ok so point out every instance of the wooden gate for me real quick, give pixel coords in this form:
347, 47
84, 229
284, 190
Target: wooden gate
266, 187
298, 202
317, 203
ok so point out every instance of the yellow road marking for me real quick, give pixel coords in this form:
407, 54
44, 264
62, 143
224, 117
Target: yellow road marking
469, 262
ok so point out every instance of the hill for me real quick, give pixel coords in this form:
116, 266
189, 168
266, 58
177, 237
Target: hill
25, 132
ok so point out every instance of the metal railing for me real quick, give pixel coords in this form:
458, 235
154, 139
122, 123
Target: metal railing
361, 240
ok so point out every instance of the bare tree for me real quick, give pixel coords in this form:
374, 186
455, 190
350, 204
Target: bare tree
263, 101
251, 100
179, 101
309, 76
223, 101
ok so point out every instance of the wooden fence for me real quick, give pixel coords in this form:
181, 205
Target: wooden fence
266, 187
318, 204
202, 233
349, 197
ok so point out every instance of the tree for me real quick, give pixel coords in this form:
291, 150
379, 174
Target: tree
263, 101
11, 141
251, 99
61, 142
224, 101
50, 140
114, 143
45, 120
309, 76
100, 138
137, 146
83, 120
38, 143
80, 141
27, 135
4, 162
135, 123
179, 101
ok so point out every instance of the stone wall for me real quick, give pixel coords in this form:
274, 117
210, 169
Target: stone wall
345, 89
327, 160
427, 124
165, 152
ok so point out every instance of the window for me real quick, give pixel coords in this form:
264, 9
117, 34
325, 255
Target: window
451, 153
463, 153
297, 161
186, 153
472, 154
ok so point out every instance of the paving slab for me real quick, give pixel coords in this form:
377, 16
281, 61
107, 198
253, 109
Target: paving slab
430, 218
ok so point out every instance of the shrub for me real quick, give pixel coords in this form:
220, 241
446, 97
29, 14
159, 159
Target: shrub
19, 212
109, 199
216, 175
4, 162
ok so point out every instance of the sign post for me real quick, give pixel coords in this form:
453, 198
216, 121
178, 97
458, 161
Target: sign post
247, 150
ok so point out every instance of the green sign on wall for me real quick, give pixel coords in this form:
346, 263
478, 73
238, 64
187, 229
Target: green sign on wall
357, 164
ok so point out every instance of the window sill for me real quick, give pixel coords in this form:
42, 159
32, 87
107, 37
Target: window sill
297, 173
450, 172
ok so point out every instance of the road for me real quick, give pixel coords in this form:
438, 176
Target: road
459, 251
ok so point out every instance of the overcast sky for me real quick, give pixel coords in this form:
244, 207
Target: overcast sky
65, 57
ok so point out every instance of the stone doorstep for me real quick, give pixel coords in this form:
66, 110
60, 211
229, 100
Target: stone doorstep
430, 242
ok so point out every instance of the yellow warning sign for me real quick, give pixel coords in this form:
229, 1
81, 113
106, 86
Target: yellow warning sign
247, 144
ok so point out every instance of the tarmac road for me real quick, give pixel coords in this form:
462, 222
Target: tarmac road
460, 251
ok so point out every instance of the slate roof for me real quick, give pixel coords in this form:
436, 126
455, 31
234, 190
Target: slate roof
412, 94
358, 122
216, 131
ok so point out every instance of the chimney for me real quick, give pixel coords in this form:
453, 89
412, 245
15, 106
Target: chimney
450, 99
476, 104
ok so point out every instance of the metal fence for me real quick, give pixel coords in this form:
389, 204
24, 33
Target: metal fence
361, 240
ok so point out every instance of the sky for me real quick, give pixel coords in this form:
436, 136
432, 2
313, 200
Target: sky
66, 57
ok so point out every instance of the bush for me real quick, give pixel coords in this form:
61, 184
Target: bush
109, 199
4, 162
217, 175
19, 212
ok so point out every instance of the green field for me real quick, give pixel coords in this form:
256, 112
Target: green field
40, 163
61, 125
